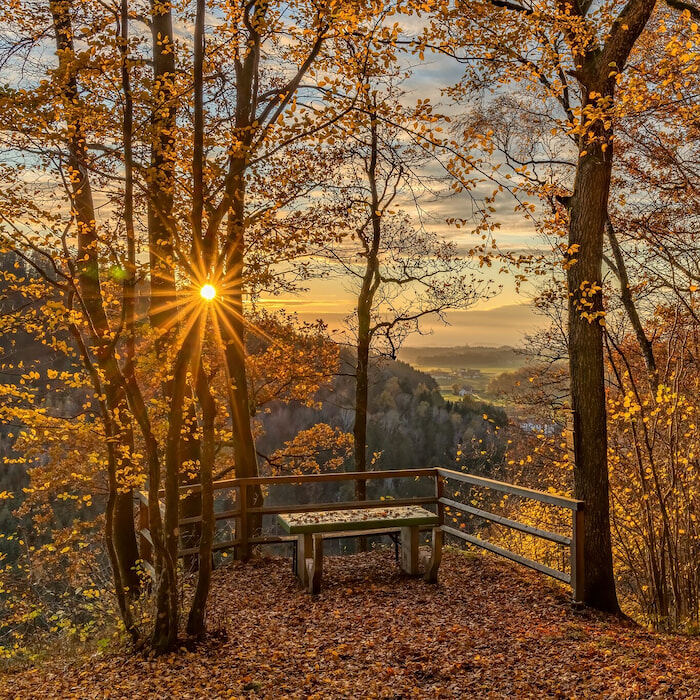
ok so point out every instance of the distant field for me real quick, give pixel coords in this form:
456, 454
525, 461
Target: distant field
465, 356
450, 366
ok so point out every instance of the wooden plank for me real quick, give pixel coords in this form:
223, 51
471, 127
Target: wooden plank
577, 557
314, 478
228, 544
286, 539
343, 505
409, 550
304, 545
145, 539
439, 493
559, 575
355, 519
541, 496
243, 534
146, 534
271, 539
314, 566
514, 524
431, 569
221, 515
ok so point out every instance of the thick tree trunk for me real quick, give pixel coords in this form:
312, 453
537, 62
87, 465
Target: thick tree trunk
588, 214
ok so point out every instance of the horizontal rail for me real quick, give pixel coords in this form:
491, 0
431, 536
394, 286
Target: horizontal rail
554, 573
314, 478
228, 544
220, 515
561, 501
514, 524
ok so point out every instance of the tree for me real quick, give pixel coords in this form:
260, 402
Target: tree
573, 57
400, 273
178, 164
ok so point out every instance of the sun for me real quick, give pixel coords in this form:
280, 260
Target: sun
208, 292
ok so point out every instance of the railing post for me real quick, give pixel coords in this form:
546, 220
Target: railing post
439, 492
244, 545
145, 549
577, 560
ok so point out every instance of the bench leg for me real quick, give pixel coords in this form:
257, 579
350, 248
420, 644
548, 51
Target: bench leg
314, 566
431, 570
409, 550
303, 551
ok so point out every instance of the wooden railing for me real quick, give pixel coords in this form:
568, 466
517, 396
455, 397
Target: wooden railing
574, 543
242, 514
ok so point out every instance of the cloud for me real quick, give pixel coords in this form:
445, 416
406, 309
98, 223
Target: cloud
501, 325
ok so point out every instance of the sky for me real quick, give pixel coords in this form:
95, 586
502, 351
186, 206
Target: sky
502, 319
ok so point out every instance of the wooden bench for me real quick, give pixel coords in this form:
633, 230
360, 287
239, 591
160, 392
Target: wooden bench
312, 528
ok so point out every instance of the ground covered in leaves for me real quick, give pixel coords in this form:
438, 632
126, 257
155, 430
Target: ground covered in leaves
487, 630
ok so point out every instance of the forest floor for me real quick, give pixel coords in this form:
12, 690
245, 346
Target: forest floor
489, 629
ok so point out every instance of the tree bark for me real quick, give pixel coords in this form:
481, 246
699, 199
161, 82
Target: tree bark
233, 332
365, 299
587, 217
164, 313
196, 620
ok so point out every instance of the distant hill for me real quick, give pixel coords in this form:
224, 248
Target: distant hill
410, 423
465, 356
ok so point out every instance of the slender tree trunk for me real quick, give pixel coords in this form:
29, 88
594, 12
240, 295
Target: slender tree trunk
233, 332
365, 299
588, 214
202, 258
196, 621
161, 173
164, 312
122, 539
361, 397
124, 508
645, 344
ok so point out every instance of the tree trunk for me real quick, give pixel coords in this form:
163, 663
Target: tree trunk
196, 621
588, 214
117, 421
365, 299
125, 543
361, 398
164, 312
645, 344
233, 332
